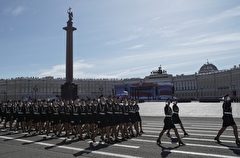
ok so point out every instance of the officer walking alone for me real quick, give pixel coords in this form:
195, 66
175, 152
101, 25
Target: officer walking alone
227, 120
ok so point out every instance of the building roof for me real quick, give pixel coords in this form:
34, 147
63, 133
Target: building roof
208, 67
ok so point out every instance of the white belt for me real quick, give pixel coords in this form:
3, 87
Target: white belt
175, 112
168, 115
227, 113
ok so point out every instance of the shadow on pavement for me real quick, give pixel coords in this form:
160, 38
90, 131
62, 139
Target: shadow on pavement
236, 150
64, 142
91, 148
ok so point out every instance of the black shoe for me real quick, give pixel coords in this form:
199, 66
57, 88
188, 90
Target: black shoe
142, 132
185, 134
117, 140
86, 137
218, 141
80, 138
238, 142
180, 143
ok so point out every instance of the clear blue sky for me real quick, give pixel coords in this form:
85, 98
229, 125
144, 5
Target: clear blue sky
118, 38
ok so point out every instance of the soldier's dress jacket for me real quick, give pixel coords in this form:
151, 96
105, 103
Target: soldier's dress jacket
227, 114
168, 124
175, 116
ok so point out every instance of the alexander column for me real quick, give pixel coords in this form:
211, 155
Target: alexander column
69, 89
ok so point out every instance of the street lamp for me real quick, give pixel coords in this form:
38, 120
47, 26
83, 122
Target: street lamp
5, 95
101, 89
35, 89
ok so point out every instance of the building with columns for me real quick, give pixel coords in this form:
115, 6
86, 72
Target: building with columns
208, 83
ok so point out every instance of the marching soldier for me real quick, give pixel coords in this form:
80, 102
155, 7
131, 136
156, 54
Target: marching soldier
111, 127
90, 120
83, 118
95, 119
28, 116
168, 124
36, 117
8, 114
15, 116
68, 110
20, 115
102, 116
127, 121
2, 113
139, 119
118, 117
76, 121
44, 116
133, 117
55, 118
176, 119
49, 116
62, 117
227, 120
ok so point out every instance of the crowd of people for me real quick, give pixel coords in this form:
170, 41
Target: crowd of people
110, 118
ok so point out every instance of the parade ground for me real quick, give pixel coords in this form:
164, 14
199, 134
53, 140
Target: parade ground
189, 109
201, 120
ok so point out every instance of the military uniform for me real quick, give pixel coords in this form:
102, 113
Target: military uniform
55, 115
175, 116
227, 114
20, 112
75, 115
36, 113
44, 113
168, 124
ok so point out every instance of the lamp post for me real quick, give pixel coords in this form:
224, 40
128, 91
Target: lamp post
234, 92
35, 89
101, 89
28, 87
5, 95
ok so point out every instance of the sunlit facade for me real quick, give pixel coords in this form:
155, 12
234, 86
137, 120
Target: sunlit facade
209, 82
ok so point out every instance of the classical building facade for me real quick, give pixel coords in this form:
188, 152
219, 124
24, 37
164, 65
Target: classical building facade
49, 87
207, 83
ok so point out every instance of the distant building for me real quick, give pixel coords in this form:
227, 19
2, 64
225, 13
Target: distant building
157, 86
208, 83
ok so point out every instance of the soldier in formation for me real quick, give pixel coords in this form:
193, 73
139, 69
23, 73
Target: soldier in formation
112, 119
